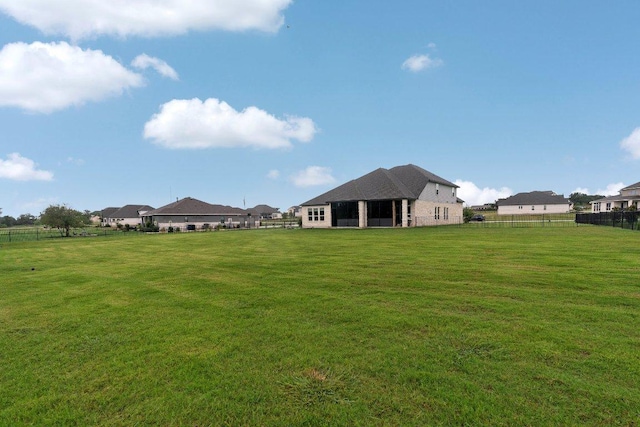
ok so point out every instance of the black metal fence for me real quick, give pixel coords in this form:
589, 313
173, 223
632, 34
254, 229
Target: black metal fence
526, 221
10, 235
620, 219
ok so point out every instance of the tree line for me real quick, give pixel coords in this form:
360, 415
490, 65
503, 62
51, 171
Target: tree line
61, 217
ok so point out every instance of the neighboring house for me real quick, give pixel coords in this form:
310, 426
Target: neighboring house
128, 215
535, 202
105, 214
403, 196
295, 211
193, 214
265, 212
485, 207
628, 197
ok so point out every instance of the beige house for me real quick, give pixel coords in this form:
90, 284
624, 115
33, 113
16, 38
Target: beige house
130, 215
403, 196
628, 197
191, 214
534, 203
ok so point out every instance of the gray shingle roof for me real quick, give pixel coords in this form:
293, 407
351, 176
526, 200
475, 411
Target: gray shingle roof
106, 212
400, 182
631, 187
130, 211
534, 198
191, 206
262, 209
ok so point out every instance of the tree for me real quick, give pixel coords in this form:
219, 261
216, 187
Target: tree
26, 219
467, 214
581, 200
7, 221
62, 217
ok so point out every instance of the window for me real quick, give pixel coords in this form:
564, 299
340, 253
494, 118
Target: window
437, 213
437, 188
446, 213
533, 208
545, 207
520, 207
315, 214
608, 206
453, 191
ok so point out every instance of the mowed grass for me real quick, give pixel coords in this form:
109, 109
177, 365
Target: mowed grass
430, 326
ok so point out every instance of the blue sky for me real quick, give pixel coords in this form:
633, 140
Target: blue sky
256, 101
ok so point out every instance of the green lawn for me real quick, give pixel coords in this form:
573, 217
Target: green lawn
430, 326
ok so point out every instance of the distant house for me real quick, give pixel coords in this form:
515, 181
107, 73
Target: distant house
193, 214
128, 215
403, 196
295, 211
265, 212
485, 207
535, 202
628, 197
105, 215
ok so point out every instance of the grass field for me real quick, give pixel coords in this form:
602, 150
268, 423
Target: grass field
429, 326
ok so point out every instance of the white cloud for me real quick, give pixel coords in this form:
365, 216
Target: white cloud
581, 190
473, 195
144, 61
80, 19
313, 175
611, 189
632, 144
73, 160
45, 77
273, 174
192, 123
18, 168
418, 63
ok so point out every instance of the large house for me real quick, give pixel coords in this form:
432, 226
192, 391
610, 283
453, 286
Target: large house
628, 197
535, 202
193, 214
105, 215
403, 196
265, 212
130, 215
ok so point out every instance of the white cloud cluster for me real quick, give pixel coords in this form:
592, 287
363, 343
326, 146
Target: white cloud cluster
473, 195
632, 144
273, 174
45, 77
18, 168
312, 176
192, 123
611, 189
418, 63
144, 61
79, 19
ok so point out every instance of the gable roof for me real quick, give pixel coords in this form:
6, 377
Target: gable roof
191, 206
106, 212
263, 209
130, 211
631, 187
534, 198
400, 182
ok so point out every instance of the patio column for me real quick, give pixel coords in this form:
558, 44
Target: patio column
405, 213
362, 214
